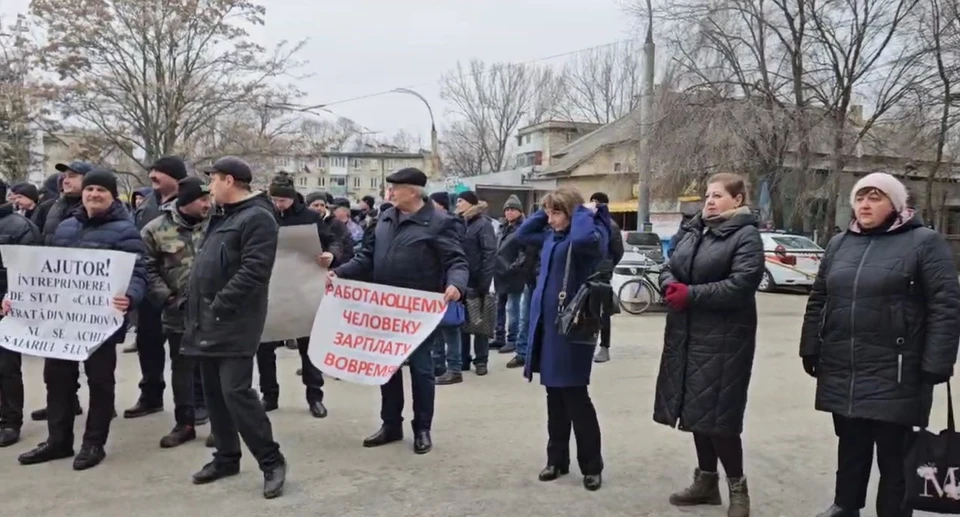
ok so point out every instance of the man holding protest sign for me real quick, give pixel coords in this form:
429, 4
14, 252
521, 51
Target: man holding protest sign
414, 247
225, 314
170, 242
71, 186
102, 222
293, 211
14, 229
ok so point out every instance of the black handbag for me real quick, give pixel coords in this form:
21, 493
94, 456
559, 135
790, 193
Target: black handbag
933, 468
481, 315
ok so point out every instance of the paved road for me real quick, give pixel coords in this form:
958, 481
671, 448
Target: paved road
489, 436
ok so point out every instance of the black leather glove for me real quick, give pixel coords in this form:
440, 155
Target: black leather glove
810, 364
934, 378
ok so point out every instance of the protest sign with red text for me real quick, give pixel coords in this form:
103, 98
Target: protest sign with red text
363, 332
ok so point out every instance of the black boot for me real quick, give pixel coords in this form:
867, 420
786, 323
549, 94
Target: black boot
142, 408
273, 481
210, 441
180, 435
212, 472
482, 370
551, 472
592, 482
9, 436
44, 453
40, 415
90, 456
317, 409
516, 362
422, 443
270, 402
383, 436
836, 511
449, 378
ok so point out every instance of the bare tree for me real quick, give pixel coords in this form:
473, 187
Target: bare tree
603, 84
492, 101
151, 74
852, 53
462, 151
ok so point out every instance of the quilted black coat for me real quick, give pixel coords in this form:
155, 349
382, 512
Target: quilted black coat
708, 348
884, 308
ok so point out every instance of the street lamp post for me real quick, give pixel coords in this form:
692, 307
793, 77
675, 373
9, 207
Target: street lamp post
646, 119
433, 128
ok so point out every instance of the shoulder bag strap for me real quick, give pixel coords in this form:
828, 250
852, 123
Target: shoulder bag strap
566, 277
951, 424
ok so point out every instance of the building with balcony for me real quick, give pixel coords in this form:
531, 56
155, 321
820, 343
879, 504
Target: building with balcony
352, 174
537, 143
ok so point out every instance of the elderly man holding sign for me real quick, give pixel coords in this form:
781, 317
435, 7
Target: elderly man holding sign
100, 223
414, 247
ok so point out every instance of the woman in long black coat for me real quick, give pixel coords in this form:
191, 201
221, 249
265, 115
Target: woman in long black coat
710, 283
881, 328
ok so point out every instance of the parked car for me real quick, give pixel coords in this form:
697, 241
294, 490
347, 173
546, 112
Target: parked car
646, 243
791, 261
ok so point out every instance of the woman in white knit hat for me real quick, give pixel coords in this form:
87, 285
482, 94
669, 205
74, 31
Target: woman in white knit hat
880, 329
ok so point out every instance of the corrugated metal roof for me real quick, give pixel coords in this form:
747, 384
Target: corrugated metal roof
621, 130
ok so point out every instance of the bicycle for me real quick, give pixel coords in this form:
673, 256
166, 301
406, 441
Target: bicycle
637, 294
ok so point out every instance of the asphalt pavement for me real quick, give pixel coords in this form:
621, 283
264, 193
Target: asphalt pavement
489, 436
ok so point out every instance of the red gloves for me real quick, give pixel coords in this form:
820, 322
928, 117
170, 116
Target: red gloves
678, 296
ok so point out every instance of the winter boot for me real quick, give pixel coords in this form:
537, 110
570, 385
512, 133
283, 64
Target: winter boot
739, 497
705, 490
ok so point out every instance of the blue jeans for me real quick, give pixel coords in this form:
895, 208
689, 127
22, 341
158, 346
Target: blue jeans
446, 349
423, 387
508, 316
524, 322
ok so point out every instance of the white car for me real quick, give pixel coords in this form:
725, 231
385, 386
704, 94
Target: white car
791, 261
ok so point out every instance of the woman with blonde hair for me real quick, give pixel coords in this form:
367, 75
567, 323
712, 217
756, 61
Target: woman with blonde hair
573, 237
710, 285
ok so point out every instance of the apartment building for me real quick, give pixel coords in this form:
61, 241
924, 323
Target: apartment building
352, 174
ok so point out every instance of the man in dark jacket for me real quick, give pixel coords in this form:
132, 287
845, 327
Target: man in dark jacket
14, 229
480, 248
508, 277
446, 349
27, 199
226, 311
71, 185
170, 243
164, 175
614, 254
292, 211
101, 222
321, 202
414, 247
48, 196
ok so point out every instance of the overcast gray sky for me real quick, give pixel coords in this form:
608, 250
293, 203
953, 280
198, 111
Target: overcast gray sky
356, 47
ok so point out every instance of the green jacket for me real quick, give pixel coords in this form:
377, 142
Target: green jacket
171, 245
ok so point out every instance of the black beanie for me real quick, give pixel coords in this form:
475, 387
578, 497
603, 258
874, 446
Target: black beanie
442, 199
341, 202
102, 178
27, 190
469, 196
329, 197
190, 190
314, 196
370, 201
385, 206
282, 186
171, 166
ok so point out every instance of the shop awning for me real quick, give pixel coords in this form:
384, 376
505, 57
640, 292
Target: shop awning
620, 207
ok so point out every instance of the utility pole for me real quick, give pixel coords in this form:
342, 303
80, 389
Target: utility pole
646, 124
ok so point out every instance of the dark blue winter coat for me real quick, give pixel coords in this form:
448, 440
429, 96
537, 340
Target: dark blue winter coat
111, 230
561, 361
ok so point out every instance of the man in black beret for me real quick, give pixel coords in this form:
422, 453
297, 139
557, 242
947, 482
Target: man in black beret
417, 247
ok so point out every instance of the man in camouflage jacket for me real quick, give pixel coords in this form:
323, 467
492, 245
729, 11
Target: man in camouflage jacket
171, 241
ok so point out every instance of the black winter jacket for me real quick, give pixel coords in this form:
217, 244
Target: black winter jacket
60, 211
14, 229
148, 210
39, 215
111, 230
229, 282
341, 234
509, 273
480, 248
708, 348
421, 252
884, 308
298, 214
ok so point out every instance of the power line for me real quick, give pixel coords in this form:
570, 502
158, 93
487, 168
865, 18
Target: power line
474, 74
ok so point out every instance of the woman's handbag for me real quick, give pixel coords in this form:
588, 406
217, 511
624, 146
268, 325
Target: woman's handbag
933, 468
454, 315
481, 315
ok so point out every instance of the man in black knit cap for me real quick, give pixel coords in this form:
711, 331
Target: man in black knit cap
164, 175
